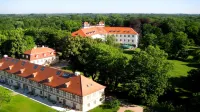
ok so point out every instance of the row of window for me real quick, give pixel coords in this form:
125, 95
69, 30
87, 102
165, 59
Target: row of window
117, 35
47, 88
44, 54
125, 40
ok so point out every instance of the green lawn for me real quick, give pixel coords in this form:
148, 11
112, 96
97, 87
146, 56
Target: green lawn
181, 68
20, 103
102, 108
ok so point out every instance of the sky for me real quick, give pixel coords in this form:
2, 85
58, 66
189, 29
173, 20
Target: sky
99, 6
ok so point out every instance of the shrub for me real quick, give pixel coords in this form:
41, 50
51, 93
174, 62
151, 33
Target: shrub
113, 103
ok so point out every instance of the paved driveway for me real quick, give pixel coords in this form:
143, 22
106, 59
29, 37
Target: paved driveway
134, 108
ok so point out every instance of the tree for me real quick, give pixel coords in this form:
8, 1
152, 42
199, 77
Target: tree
147, 76
110, 40
174, 43
149, 39
172, 25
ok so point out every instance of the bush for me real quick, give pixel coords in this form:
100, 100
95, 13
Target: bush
113, 103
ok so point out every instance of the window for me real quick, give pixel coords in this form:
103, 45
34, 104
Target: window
58, 72
120, 39
11, 81
42, 69
120, 35
22, 56
35, 66
124, 40
73, 96
44, 54
13, 60
94, 101
128, 35
27, 56
57, 91
124, 35
132, 40
57, 98
66, 75
132, 35
116, 40
40, 92
128, 40
23, 63
51, 89
88, 104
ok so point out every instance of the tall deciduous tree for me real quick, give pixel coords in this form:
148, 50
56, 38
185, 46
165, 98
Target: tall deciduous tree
147, 76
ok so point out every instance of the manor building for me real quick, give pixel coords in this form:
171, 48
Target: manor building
40, 55
123, 35
71, 90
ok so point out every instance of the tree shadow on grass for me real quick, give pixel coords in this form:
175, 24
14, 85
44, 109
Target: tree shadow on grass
178, 93
195, 65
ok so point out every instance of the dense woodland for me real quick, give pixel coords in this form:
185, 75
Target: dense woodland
141, 76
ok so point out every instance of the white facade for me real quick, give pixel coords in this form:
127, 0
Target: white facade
80, 103
129, 39
46, 61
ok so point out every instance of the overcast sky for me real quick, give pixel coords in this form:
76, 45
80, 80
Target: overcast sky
99, 6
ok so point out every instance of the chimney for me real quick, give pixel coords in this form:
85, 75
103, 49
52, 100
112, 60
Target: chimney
77, 73
86, 25
5, 56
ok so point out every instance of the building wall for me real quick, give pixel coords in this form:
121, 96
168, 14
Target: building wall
93, 100
129, 39
43, 61
68, 99
98, 36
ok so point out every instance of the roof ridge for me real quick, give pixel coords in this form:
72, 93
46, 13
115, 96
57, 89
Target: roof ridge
81, 85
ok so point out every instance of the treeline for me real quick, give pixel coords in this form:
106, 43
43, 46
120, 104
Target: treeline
172, 33
140, 76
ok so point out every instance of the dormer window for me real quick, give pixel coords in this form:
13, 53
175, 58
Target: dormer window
22, 56
44, 54
50, 79
13, 60
35, 66
66, 75
36, 56
22, 70
27, 56
42, 68
34, 74
51, 53
23, 63
58, 72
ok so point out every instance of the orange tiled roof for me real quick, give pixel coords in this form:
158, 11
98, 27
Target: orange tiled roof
78, 85
104, 30
40, 52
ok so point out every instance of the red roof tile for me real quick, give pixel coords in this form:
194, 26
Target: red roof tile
78, 85
104, 30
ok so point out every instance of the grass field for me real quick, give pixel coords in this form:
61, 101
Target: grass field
181, 68
102, 108
20, 103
